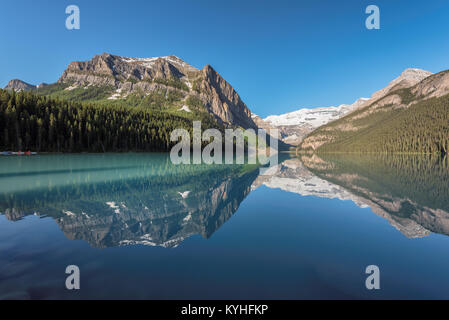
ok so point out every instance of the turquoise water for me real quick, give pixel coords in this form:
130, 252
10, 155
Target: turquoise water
139, 227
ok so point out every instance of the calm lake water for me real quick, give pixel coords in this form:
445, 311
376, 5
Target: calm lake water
139, 227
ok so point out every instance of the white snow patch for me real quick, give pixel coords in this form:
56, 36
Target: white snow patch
116, 95
71, 88
113, 206
184, 194
185, 108
148, 62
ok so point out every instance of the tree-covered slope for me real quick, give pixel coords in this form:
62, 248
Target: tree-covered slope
32, 122
406, 120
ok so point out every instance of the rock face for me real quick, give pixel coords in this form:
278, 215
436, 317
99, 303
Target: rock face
222, 100
294, 126
146, 75
407, 79
107, 69
19, 85
433, 86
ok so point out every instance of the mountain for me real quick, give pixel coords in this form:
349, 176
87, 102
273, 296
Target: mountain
411, 114
162, 82
294, 126
19, 85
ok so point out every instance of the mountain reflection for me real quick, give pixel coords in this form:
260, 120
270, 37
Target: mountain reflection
127, 199
410, 191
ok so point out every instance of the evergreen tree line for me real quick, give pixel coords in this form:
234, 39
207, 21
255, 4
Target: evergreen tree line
421, 128
39, 123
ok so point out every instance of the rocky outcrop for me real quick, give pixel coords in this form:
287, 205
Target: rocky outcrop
222, 100
433, 86
19, 85
408, 78
107, 69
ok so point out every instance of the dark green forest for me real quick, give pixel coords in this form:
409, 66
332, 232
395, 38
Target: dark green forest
421, 128
40, 123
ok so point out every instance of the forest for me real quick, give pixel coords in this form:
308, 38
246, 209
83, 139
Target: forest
421, 128
40, 123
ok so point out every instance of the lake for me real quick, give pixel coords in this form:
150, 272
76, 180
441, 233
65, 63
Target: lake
139, 227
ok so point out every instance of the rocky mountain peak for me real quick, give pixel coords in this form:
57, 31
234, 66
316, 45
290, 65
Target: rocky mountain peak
19, 85
221, 98
120, 77
408, 78
414, 74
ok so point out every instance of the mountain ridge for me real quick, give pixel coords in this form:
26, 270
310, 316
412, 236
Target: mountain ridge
119, 78
409, 115
295, 125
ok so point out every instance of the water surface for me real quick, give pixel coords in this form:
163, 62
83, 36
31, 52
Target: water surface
139, 227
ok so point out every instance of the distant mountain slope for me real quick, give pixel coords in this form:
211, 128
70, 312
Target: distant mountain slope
409, 115
294, 126
161, 83
19, 85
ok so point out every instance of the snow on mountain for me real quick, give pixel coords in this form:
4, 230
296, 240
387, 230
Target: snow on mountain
149, 62
294, 126
411, 78
314, 117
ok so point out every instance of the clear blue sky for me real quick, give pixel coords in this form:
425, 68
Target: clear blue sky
279, 55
